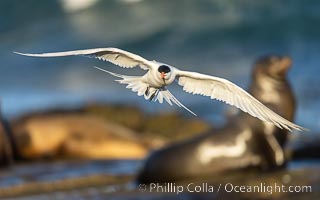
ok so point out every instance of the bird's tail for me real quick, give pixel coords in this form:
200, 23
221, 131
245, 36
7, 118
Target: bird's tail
134, 83
114, 74
168, 96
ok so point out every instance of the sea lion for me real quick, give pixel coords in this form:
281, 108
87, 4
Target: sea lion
97, 131
7, 152
242, 143
75, 135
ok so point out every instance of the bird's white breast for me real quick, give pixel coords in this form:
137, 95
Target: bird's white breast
154, 80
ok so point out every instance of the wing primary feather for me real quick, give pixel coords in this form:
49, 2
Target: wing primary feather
116, 56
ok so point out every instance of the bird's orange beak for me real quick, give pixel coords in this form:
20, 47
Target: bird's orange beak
162, 75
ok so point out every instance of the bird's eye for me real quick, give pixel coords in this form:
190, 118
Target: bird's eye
164, 68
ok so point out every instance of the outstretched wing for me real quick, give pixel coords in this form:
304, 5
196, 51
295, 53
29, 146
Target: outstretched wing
136, 84
228, 92
116, 56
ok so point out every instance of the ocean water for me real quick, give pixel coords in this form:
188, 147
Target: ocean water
217, 37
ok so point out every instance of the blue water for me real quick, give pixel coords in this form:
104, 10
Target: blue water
218, 37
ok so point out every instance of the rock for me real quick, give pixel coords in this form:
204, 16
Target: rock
167, 126
114, 180
128, 116
173, 127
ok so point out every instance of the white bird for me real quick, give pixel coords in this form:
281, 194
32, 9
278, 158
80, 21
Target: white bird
153, 84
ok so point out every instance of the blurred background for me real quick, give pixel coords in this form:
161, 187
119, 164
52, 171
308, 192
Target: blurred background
217, 37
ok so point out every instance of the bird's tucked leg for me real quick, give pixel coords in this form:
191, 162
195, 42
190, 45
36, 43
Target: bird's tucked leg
147, 91
151, 93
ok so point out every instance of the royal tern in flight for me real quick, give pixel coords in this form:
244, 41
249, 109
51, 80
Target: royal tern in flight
153, 84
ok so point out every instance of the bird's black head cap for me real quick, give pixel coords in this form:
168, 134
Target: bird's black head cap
164, 68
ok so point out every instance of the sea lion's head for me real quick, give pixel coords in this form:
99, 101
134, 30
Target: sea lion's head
273, 66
